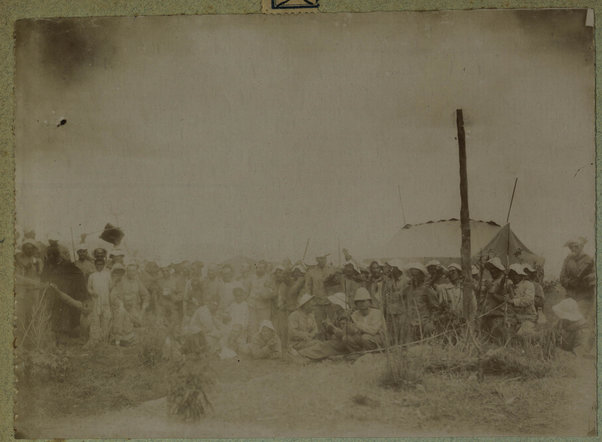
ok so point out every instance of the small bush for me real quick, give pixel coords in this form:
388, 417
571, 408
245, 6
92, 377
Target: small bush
403, 371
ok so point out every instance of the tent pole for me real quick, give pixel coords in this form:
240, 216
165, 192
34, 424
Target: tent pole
511, 200
467, 294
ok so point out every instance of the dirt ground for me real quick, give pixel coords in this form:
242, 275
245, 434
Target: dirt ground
110, 394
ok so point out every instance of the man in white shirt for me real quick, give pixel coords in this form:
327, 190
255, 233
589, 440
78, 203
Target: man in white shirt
99, 287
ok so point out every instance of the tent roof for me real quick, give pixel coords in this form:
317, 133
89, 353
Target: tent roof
442, 239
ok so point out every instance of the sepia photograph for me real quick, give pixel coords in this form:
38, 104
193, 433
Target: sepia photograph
310, 225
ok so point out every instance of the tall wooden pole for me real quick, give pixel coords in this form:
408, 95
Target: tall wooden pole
467, 295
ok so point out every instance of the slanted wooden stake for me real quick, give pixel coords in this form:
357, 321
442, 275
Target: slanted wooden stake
467, 296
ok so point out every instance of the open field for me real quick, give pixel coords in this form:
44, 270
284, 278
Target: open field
111, 394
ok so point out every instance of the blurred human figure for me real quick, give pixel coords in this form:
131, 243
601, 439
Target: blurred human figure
67, 278
367, 324
422, 302
522, 300
212, 285
302, 327
533, 276
578, 277
394, 304
265, 344
122, 324
84, 262
27, 283
226, 295
205, 319
132, 293
495, 319
436, 274
99, 288
375, 284
238, 314
315, 285
260, 298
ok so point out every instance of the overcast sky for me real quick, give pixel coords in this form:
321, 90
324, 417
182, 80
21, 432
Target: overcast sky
215, 135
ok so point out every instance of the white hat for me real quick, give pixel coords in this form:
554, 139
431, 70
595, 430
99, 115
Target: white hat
568, 309
322, 255
362, 294
117, 252
418, 266
339, 299
474, 270
455, 266
433, 262
497, 263
81, 246
304, 299
518, 269
278, 267
237, 286
117, 267
299, 266
267, 324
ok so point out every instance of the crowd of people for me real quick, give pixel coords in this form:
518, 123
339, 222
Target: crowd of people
311, 310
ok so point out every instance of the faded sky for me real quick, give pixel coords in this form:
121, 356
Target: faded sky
216, 135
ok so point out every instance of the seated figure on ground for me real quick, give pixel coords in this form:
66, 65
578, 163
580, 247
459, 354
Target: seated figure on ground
265, 344
572, 327
367, 328
302, 327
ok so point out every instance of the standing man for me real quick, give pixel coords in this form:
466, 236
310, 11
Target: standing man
522, 300
261, 295
99, 288
422, 302
84, 262
376, 284
394, 305
315, 280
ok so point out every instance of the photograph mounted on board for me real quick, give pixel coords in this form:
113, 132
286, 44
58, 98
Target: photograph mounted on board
318, 225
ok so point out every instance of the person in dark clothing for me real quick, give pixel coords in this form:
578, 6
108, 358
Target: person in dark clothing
66, 277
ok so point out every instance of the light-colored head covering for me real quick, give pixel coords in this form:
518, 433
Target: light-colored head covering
267, 324
299, 266
568, 309
117, 252
455, 266
433, 262
474, 270
418, 266
578, 240
339, 299
191, 329
237, 286
497, 263
278, 267
361, 294
354, 265
518, 269
304, 299
116, 267
81, 246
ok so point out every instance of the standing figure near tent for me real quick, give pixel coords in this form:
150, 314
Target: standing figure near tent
533, 276
494, 292
394, 303
99, 287
422, 302
578, 277
451, 293
522, 300
376, 284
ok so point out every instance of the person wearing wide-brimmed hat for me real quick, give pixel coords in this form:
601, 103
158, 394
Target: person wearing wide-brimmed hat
436, 274
422, 302
367, 324
451, 293
261, 296
302, 327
